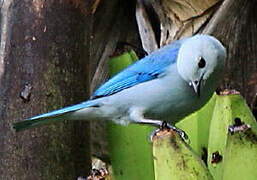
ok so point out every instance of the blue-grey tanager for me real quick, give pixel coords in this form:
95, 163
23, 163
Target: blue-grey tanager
166, 85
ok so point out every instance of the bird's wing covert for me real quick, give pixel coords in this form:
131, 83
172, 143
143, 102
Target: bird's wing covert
148, 68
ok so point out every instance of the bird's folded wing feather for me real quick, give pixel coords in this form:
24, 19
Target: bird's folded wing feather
148, 68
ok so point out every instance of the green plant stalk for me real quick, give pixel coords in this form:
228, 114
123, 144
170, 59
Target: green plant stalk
129, 146
174, 159
239, 149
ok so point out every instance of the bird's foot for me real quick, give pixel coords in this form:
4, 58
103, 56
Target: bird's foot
167, 127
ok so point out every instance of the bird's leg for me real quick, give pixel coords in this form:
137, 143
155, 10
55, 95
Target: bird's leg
163, 125
138, 118
156, 123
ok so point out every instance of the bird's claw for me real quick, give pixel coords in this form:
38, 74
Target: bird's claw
166, 126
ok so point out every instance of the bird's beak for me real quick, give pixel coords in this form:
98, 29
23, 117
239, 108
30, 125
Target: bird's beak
197, 86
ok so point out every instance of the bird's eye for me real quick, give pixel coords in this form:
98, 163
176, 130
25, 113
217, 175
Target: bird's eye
201, 63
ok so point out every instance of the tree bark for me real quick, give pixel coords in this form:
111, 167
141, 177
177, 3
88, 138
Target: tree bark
42, 68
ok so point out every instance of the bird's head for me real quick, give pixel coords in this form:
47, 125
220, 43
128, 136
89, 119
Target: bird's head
200, 58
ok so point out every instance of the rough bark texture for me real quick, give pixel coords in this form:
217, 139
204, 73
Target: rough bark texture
50, 51
41, 47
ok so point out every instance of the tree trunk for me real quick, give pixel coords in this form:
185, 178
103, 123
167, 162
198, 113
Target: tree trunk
42, 68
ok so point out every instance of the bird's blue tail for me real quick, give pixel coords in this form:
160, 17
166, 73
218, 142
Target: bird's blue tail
51, 116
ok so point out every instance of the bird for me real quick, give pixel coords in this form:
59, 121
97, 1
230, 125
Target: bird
164, 86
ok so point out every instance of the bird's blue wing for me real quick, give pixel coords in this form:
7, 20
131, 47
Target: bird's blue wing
148, 68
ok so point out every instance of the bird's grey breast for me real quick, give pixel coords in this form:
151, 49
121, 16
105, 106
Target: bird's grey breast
176, 100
